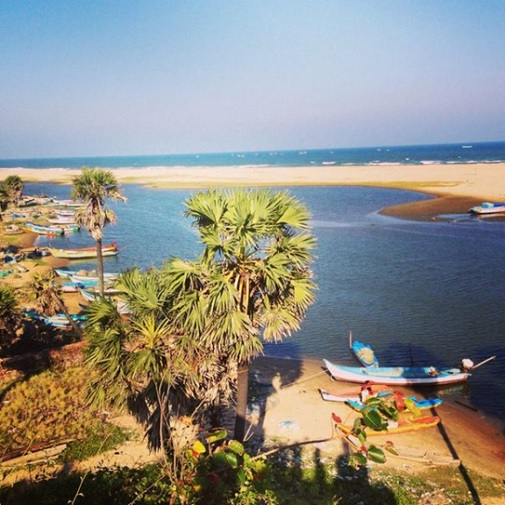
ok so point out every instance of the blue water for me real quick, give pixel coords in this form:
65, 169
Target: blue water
419, 292
482, 152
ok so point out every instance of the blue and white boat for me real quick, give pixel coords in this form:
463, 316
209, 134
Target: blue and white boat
488, 208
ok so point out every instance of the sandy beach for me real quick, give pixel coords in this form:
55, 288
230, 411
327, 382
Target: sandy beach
294, 410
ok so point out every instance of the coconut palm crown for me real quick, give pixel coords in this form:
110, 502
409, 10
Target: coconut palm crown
93, 187
258, 247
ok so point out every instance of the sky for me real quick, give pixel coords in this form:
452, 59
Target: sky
123, 77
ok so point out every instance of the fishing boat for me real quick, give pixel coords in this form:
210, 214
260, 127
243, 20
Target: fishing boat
410, 402
58, 320
345, 397
72, 287
403, 425
364, 353
396, 376
84, 276
488, 208
86, 252
91, 294
43, 229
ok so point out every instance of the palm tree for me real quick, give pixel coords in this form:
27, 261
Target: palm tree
93, 187
9, 314
257, 248
48, 300
14, 186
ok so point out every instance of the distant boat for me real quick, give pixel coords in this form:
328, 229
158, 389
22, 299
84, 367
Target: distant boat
488, 208
85, 252
396, 376
43, 229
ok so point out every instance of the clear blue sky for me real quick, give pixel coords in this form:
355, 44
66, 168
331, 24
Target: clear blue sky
112, 77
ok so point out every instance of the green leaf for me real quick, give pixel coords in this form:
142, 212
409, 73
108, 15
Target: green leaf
374, 420
216, 436
376, 454
236, 447
357, 459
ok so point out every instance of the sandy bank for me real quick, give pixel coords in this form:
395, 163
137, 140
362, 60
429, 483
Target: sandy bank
481, 181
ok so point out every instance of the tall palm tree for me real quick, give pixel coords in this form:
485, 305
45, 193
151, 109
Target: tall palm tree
257, 246
93, 187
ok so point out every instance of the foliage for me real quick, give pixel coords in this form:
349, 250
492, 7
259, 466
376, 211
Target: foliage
57, 410
101, 439
9, 314
93, 186
13, 186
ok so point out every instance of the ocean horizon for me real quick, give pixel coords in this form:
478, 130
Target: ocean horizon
454, 153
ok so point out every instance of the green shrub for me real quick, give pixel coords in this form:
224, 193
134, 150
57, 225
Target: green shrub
47, 407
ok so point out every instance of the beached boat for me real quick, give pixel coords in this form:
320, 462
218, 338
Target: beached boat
403, 425
410, 402
91, 294
347, 396
364, 353
43, 229
399, 376
85, 252
84, 276
58, 320
488, 208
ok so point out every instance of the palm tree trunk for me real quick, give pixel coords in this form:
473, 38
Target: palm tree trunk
99, 265
75, 326
242, 390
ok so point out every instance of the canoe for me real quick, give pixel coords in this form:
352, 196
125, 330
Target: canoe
42, 229
488, 208
58, 320
396, 376
364, 353
350, 395
91, 294
401, 426
411, 403
86, 252
91, 276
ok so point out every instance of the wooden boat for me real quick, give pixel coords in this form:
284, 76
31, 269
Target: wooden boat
85, 252
108, 277
58, 320
42, 229
351, 395
91, 294
403, 425
364, 353
399, 376
411, 403
488, 208
83, 275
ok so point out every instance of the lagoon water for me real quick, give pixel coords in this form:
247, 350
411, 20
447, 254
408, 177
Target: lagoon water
419, 292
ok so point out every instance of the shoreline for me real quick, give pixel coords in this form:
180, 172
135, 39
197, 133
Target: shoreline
455, 187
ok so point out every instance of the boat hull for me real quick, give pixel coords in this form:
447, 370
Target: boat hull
396, 376
403, 426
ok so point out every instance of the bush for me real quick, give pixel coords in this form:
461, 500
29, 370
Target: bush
47, 407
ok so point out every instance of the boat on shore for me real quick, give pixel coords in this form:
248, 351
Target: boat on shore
488, 208
85, 252
347, 396
403, 425
58, 320
364, 354
396, 376
43, 229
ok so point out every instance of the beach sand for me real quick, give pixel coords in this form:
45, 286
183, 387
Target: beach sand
292, 410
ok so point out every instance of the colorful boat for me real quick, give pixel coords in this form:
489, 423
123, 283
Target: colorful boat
58, 320
351, 395
403, 425
411, 403
396, 376
85, 252
364, 353
43, 229
488, 208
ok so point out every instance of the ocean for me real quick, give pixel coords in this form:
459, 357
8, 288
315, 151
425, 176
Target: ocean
478, 152
424, 293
